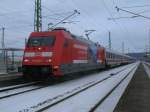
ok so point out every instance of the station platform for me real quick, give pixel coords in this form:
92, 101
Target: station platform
136, 97
9, 76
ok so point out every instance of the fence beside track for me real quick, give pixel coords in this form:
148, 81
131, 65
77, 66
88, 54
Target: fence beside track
10, 60
10, 63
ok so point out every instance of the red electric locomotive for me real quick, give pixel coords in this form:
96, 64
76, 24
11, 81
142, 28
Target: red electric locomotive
59, 52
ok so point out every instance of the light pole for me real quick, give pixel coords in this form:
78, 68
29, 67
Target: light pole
109, 41
3, 41
123, 48
3, 47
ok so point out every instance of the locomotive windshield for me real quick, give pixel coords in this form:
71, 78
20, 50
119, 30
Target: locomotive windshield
41, 41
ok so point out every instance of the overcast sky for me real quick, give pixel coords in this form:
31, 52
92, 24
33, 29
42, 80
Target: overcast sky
17, 17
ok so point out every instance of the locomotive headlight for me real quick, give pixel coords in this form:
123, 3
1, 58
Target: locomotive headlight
47, 54
26, 60
39, 48
49, 60
55, 68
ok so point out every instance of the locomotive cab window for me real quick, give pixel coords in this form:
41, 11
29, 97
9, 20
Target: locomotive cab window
41, 41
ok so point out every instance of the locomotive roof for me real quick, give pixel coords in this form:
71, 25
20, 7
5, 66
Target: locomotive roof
80, 38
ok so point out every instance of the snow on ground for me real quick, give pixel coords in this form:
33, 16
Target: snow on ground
114, 98
26, 100
84, 101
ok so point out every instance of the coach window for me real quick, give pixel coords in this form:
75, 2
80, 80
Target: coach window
66, 43
108, 55
117, 57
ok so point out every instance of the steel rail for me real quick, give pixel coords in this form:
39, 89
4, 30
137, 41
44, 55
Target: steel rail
20, 92
109, 93
16, 86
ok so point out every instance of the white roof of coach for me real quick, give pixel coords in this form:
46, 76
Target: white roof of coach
118, 53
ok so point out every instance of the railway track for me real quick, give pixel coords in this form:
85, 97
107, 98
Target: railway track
148, 64
6, 92
49, 103
9, 91
110, 92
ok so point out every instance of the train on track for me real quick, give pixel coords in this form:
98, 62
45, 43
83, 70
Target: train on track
59, 52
